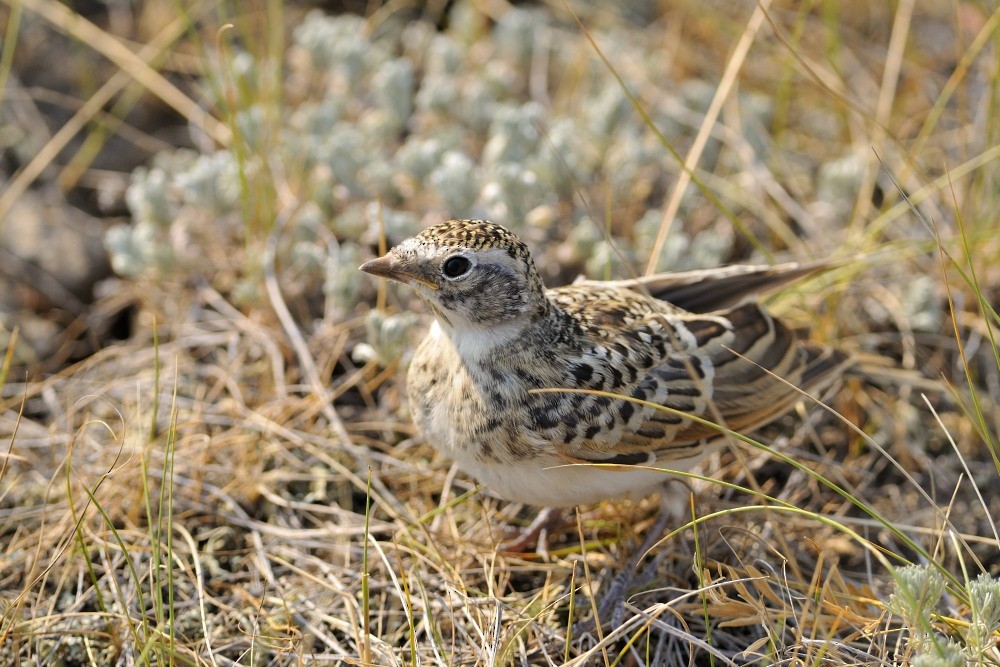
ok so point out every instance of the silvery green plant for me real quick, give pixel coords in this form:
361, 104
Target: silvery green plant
455, 181
343, 283
336, 43
682, 251
917, 592
609, 111
136, 248
388, 336
211, 183
568, 157
514, 134
147, 196
516, 34
397, 224
419, 156
984, 603
510, 192
921, 304
393, 85
943, 654
415, 124
604, 260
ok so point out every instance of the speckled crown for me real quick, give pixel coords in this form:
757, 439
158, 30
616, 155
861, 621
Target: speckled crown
475, 235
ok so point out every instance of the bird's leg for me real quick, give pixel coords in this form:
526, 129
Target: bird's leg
611, 606
536, 534
612, 603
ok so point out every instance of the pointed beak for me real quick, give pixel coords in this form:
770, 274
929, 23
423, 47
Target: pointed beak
388, 266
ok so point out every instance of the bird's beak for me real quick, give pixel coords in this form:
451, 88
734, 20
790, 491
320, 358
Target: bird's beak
389, 266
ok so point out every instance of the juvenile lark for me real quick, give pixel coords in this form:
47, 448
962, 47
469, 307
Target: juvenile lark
689, 341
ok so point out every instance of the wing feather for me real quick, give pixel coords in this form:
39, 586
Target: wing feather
740, 366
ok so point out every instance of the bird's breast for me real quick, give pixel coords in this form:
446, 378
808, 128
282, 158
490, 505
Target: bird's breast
478, 414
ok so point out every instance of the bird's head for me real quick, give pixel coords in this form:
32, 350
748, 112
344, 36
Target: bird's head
476, 276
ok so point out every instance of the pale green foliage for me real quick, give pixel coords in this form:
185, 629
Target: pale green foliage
682, 251
147, 196
393, 87
923, 308
136, 247
455, 181
984, 599
414, 125
335, 43
210, 183
388, 337
918, 590
514, 134
943, 654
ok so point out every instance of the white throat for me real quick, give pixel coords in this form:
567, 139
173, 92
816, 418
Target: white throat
476, 343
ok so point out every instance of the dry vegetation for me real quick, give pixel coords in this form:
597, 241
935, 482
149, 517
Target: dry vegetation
235, 480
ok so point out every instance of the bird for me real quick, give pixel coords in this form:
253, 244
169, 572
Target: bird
527, 387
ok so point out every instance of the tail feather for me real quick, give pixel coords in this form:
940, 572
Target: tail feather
823, 366
709, 290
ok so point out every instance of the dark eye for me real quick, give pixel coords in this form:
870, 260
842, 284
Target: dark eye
456, 266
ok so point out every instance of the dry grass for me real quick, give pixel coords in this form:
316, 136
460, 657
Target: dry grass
228, 486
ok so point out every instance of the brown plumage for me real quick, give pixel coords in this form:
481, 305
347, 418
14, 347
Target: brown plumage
692, 342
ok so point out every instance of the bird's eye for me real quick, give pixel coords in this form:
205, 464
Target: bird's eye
456, 266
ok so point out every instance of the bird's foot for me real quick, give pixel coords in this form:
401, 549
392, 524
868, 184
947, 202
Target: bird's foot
611, 605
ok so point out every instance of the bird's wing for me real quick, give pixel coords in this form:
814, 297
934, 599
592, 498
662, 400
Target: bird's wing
708, 290
732, 367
